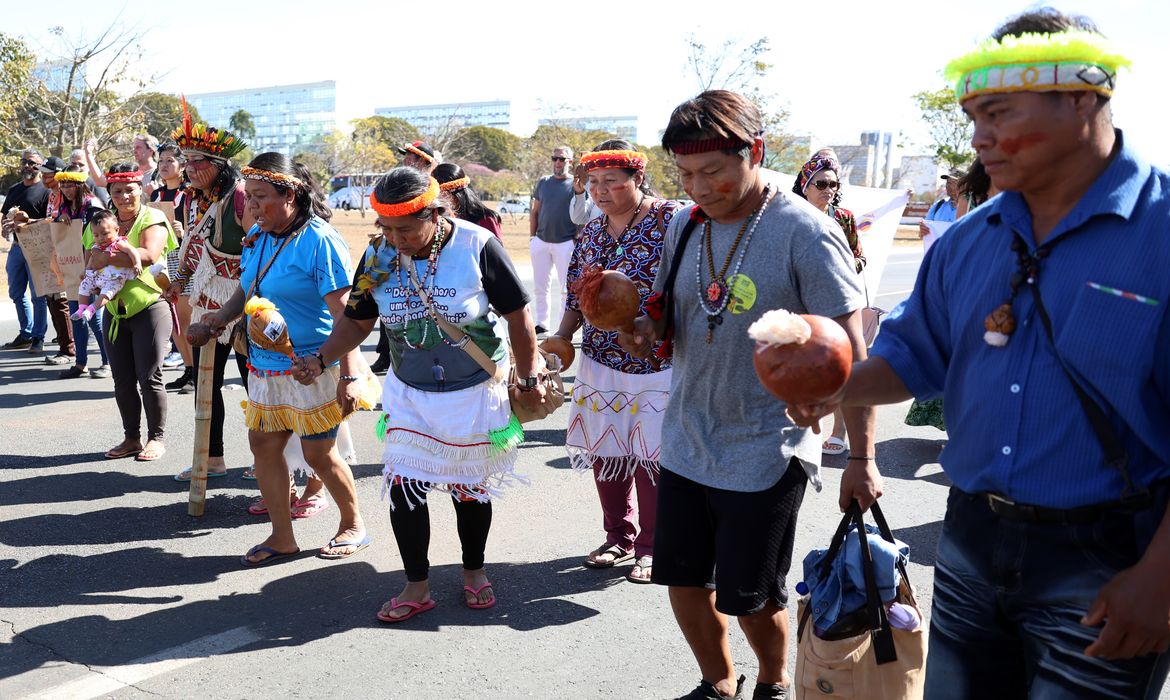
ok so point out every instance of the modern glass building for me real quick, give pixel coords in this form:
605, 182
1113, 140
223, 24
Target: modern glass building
287, 117
435, 118
621, 127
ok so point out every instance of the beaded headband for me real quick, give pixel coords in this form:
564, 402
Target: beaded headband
1061, 62
453, 185
613, 159
686, 148
273, 178
410, 206
71, 176
134, 176
411, 148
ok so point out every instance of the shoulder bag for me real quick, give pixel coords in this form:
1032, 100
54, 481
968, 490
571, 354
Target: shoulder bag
550, 379
239, 337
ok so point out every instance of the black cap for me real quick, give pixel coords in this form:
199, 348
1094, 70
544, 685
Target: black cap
53, 165
422, 146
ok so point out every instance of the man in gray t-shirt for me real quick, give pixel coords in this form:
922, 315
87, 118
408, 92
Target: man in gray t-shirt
552, 234
734, 467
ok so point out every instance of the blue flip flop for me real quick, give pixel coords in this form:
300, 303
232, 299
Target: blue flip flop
333, 544
210, 475
273, 555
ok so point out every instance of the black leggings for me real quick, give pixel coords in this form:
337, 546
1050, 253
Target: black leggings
412, 531
222, 350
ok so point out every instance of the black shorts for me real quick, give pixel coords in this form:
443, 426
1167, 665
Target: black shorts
737, 543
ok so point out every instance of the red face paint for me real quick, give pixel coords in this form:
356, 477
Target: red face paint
724, 188
1014, 146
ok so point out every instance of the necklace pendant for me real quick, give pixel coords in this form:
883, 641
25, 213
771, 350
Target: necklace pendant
620, 250
715, 291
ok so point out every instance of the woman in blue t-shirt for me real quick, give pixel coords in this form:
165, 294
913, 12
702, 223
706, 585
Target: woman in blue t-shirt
294, 259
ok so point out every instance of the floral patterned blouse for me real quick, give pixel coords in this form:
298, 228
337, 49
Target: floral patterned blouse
637, 254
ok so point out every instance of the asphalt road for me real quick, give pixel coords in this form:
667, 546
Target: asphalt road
109, 589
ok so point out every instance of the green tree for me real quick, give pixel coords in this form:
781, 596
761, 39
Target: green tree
242, 124
494, 148
162, 113
16, 66
950, 129
391, 132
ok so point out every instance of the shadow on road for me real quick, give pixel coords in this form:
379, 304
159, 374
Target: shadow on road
48, 461
17, 400
923, 541
118, 526
89, 486
294, 611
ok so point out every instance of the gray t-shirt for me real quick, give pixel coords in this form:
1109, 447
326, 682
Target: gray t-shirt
721, 428
553, 224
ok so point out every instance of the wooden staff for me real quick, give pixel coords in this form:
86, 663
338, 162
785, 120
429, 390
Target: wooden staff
205, 384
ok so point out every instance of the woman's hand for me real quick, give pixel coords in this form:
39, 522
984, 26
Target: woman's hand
348, 392
64, 218
98, 258
171, 295
640, 343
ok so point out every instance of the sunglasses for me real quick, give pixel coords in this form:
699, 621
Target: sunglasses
560, 158
827, 184
26, 161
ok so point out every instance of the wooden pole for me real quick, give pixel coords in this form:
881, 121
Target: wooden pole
205, 384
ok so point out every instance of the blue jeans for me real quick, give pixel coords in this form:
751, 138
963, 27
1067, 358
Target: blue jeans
81, 331
33, 318
1008, 599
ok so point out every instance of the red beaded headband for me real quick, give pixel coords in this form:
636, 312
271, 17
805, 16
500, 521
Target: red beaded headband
687, 148
133, 176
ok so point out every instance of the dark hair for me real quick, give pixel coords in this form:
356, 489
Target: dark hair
468, 206
309, 199
714, 114
403, 184
171, 147
100, 216
976, 183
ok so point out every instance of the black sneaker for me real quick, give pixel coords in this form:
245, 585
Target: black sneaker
72, 373
36, 347
770, 691
541, 330
706, 691
20, 342
183, 380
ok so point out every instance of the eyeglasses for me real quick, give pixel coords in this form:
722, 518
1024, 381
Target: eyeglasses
560, 158
27, 161
827, 184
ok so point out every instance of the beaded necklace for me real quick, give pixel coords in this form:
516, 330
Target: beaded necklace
629, 225
716, 296
429, 274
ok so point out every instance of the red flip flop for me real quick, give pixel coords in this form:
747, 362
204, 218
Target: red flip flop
476, 605
415, 609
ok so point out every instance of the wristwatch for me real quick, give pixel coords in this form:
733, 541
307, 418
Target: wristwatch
321, 359
527, 383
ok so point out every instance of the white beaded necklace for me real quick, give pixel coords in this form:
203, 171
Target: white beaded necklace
721, 288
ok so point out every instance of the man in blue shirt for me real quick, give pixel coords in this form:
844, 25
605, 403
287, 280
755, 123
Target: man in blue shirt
1041, 317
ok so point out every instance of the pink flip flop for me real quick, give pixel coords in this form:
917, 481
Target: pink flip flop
308, 508
415, 609
475, 592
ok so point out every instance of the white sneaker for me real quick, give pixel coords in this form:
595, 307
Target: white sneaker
172, 360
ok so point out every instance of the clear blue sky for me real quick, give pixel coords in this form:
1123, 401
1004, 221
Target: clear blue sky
841, 67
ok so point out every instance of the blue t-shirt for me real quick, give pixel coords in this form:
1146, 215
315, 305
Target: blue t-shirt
313, 264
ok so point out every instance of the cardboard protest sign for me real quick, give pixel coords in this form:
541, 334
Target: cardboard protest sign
36, 241
70, 261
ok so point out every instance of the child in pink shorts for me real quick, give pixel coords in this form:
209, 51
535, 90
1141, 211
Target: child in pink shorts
102, 285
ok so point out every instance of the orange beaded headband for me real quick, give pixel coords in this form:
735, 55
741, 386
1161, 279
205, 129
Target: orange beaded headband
455, 184
410, 206
272, 177
613, 159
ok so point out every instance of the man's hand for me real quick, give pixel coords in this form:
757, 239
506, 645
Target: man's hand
923, 229
348, 393
1135, 607
202, 331
307, 368
529, 399
861, 482
809, 415
640, 343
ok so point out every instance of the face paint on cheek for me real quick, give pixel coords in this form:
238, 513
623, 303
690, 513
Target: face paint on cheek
724, 188
1014, 146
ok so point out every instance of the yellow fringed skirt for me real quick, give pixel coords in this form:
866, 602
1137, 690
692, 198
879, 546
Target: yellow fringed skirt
278, 403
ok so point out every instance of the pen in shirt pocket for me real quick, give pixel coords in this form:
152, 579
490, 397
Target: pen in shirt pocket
1123, 294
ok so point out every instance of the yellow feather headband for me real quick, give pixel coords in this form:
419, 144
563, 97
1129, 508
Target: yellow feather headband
1064, 62
71, 176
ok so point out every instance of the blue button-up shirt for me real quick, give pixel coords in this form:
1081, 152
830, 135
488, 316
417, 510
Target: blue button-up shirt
942, 210
1015, 425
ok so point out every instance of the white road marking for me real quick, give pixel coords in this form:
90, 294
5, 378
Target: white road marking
890, 294
108, 679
